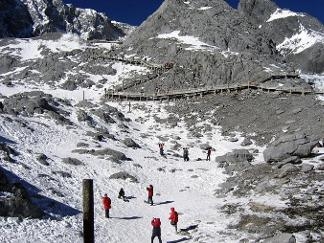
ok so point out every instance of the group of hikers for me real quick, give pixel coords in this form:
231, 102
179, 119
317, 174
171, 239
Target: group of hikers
185, 152
156, 222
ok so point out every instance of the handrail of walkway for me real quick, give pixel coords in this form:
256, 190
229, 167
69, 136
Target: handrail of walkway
208, 90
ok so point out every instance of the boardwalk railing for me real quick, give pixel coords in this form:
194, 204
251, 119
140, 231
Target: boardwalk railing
186, 93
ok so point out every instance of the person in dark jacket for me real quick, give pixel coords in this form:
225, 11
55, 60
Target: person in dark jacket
106, 204
208, 153
185, 154
174, 218
121, 194
149, 190
161, 147
156, 232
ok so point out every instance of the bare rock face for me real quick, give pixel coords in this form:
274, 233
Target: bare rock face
287, 146
230, 47
18, 24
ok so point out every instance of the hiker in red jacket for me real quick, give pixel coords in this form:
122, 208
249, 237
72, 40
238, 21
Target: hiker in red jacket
149, 190
106, 204
174, 218
156, 232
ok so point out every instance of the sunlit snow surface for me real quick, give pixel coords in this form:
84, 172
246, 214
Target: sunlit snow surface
283, 13
31, 49
300, 41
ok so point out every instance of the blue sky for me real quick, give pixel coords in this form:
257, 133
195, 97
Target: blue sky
136, 11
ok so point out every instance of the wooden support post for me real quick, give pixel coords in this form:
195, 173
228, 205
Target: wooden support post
88, 209
303, 92
290, 92
201, 95
248, 85
83, 95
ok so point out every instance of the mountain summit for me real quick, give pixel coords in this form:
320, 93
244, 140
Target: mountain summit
26, 18
298, 36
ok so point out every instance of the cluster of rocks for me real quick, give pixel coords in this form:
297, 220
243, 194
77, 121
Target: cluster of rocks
300, 188
257, 115
35, 102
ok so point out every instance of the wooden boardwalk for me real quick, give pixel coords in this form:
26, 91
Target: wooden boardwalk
187, 93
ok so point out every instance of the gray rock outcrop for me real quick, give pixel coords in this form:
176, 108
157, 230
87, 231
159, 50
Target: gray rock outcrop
130, 143
15, 19
124, 176
287, 146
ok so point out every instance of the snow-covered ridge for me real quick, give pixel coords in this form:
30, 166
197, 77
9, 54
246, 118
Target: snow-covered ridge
301, 41
283, 13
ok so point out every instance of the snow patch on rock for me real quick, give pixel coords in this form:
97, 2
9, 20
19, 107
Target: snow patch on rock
283, 13
300, 41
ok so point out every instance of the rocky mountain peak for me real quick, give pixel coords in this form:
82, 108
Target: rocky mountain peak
36, 17
296, 35
257, 10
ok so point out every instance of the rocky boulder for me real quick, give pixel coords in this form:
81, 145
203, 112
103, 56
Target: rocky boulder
130, 143
124, 176
287, 146
238, 159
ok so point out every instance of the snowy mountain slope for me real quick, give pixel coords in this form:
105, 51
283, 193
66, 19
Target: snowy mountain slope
86, 134
54, 114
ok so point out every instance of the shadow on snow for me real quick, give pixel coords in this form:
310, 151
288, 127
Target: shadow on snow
52, 208
127, 218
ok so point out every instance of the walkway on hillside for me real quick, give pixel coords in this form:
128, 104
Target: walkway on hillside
187, 93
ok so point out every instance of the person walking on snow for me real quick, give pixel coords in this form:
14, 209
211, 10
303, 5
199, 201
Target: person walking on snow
156, 232
149, 190
106, 204
208, 153
185, 154
174, 218
161, 146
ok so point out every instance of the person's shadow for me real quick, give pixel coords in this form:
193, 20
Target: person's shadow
127, 218
165, 202
179, 240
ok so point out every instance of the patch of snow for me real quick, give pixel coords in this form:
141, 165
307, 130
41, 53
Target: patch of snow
283, 13
186, 2
204, 8
189, 40
316, 80
28, 49
299, 42
228, 53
